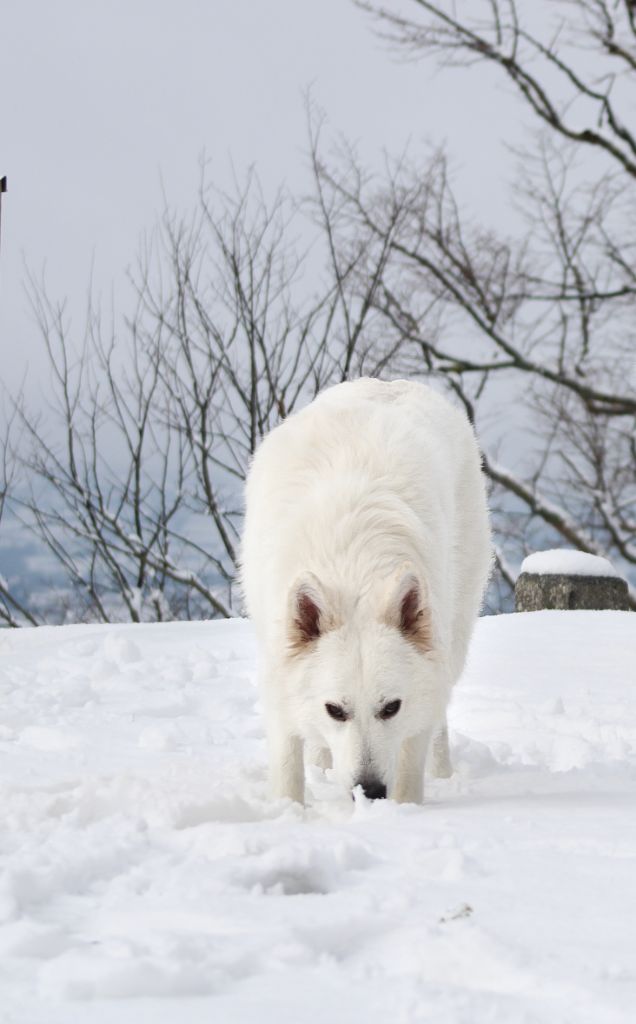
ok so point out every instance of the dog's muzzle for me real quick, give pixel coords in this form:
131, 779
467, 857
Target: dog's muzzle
373, 789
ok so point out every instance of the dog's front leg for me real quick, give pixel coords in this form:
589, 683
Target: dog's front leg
286, 769
440, 753
409, 787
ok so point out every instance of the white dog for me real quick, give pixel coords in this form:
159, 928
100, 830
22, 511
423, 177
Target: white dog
365, 555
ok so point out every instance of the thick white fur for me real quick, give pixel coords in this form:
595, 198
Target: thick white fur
371, 485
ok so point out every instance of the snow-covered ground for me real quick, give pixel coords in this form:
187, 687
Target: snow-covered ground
145, 877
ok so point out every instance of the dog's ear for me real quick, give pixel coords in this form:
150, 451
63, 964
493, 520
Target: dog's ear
307, 615
408, 611
310, 614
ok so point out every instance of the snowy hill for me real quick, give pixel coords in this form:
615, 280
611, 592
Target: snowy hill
145, 877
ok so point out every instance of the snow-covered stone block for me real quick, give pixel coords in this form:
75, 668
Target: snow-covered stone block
566, 579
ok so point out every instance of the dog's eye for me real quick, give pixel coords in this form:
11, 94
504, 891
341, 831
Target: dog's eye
336, 712
391, 709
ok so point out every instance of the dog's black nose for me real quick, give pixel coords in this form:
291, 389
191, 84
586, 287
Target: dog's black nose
372, 789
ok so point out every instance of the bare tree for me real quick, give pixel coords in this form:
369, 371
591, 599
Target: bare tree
567, 60
543, 324
13, 611
105, 472
135, 471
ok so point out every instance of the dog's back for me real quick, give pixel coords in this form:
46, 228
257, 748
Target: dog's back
344, 486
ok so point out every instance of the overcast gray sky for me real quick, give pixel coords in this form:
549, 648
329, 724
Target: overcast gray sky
100, 102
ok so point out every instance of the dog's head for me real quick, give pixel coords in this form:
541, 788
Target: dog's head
363, 674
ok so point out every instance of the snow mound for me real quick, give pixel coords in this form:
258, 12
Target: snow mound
145, 876
564, 561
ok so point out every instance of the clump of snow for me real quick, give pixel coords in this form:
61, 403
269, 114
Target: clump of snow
144, 874
564, 561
